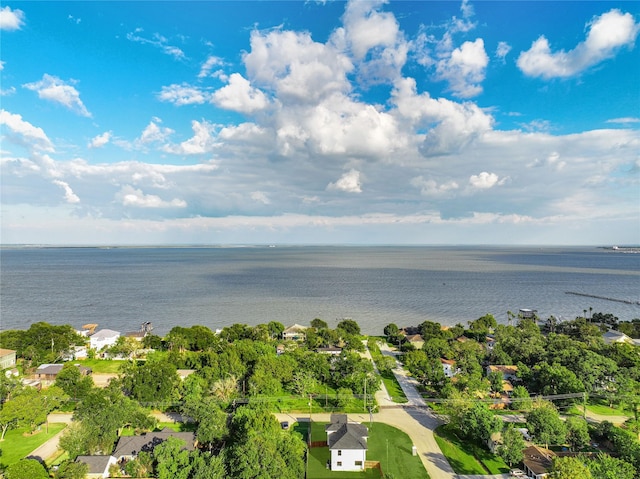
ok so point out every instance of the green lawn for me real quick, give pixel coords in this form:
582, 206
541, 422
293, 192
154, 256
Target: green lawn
16, 446
387, 444
393, 388
602, 407
465, 457
102, 365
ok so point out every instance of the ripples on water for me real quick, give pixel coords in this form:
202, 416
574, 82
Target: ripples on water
119, 288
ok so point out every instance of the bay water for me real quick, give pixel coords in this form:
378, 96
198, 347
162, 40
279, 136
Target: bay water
121, 287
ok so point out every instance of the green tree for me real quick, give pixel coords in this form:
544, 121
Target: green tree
349, 326
71, 380
207, 466
521, 399
319, 324
172, 460
479, 422
603, 466
569, 468
512, 446
545, 424
72, 470
577, 432
150, 382
275, 329
26, 469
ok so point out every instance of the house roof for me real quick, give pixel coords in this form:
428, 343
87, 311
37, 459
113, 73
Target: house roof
132, 445
6, 352
105, 334
414, 338
349, 436
450, 362
616, 337
538, 459
49, 369
329, 349
504, 369
97, 464
296, 328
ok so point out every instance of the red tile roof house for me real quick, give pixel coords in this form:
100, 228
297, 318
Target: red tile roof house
348, 444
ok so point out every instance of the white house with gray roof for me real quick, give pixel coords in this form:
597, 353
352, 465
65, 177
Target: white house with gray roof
103, 339
347, 443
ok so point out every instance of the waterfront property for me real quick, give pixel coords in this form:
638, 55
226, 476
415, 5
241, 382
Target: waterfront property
103, 339
347, 443
295, 333
47, 373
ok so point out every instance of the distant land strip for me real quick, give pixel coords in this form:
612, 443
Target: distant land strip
606, 298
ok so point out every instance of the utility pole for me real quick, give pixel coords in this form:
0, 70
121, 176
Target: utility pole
365, 393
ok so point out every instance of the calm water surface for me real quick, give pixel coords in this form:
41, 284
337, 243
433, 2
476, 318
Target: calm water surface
119, 288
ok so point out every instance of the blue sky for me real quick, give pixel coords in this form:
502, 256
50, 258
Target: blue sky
376, 122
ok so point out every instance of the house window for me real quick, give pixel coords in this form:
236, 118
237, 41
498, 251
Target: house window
359, 463
339, 463
339, 452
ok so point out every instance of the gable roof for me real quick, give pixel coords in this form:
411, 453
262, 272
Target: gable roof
342, 434
132, 445
52, 369
97, 464
294, 329
538, 459
349, 436
503, 368
6, 352
105, 334
413, 338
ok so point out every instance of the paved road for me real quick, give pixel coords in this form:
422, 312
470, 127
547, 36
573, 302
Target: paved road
48, 449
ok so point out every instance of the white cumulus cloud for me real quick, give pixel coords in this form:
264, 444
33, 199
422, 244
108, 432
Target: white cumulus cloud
465, 69
28, 134
349, 183
130, 196
485, 180
183, 94
240, 96
606, 34
69, 196
202, 141
99, 141
11, 19
56, 90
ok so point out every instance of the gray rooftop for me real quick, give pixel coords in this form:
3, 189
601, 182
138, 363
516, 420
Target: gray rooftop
132, 445
97, 464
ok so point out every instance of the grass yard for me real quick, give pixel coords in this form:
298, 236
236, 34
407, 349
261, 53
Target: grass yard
101, 365
600, 406
393, 388
387, 444
16, 446
467, 458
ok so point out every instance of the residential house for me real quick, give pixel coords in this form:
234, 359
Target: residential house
103, 339
7, 358
449, 367
490, 343
509, 372
295, 333
128, 447
76, 353
347, 443
537, 461
47, 373
612, 336
280, 349
415, 340
98, 465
